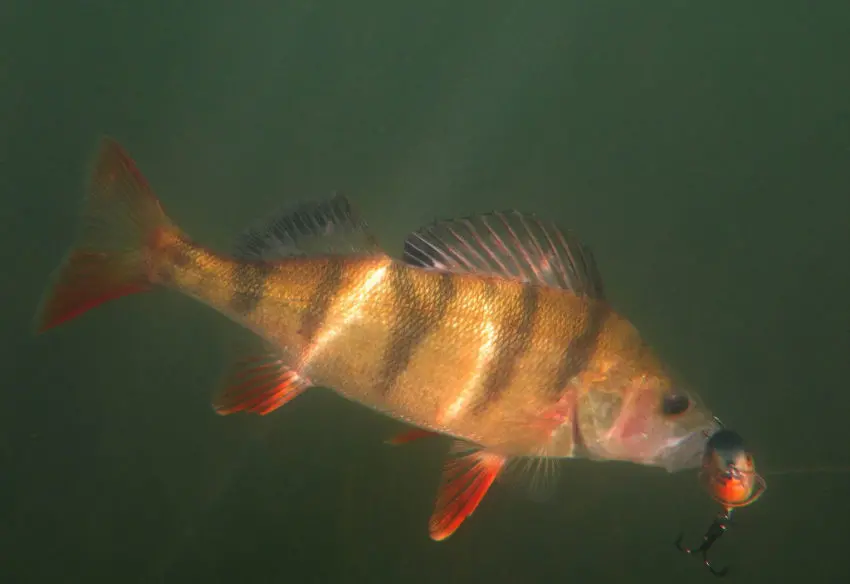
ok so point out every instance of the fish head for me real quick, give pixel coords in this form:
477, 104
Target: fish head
645, 421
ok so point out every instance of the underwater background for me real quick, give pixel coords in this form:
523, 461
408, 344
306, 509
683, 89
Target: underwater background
701, 149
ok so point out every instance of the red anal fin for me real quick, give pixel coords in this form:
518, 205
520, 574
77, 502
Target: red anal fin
465, 482
258, 385
410, 436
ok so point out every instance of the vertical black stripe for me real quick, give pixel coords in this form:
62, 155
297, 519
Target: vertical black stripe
414, 319
512, 341
578, 352
326, 290
249, 286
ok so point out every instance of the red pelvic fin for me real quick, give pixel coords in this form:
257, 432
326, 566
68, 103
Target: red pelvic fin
464, 483
410, 436
258, 385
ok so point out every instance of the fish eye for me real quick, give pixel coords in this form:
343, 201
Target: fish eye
674, 404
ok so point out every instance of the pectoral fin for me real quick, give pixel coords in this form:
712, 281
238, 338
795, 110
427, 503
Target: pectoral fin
464, 483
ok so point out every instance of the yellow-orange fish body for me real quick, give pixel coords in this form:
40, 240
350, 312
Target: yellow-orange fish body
499, 336
479, 357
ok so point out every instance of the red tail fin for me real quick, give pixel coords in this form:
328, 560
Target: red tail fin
122, 224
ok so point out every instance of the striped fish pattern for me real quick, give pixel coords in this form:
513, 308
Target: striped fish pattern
493, 330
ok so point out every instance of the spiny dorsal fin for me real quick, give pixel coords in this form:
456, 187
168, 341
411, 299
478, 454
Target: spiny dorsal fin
328, 226
509, 244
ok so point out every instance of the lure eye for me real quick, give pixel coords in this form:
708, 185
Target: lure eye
674, 404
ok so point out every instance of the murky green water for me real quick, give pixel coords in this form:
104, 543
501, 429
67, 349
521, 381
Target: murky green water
700, 149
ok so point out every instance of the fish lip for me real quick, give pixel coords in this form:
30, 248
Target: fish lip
686, 452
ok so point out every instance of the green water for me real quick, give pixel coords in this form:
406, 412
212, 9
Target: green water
700, 148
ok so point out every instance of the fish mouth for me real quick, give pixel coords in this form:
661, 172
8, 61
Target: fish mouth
686, 452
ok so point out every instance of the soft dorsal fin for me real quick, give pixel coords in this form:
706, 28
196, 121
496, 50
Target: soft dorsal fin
509, 244
329, 226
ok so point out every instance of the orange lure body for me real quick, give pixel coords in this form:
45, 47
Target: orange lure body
728, 472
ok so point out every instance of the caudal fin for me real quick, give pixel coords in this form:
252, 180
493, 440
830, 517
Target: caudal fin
122, 226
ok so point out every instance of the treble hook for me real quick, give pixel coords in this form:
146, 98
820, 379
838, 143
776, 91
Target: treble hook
715, 530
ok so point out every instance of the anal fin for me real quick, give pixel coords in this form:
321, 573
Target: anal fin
464, 483
258, 385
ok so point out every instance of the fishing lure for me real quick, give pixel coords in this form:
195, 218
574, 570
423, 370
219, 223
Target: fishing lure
728, 473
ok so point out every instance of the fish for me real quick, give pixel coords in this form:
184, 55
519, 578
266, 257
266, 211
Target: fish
493, 330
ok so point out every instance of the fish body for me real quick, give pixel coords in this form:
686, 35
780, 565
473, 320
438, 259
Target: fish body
493, 330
